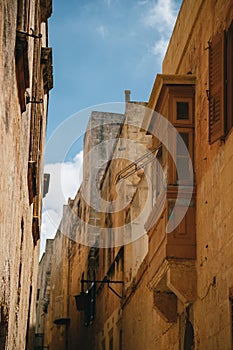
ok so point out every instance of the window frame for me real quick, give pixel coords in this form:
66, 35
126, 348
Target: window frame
183, 122
172, 169
181, 93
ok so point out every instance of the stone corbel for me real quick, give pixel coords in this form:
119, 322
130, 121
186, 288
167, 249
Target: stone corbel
166, 304
46, 9
176, 279
182, 280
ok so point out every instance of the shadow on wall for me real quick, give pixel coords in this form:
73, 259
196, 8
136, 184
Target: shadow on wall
3, 332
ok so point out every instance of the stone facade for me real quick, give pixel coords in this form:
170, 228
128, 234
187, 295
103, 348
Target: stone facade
125, 245
72, 244
177, 290
213, 170
190, 296
22, 135
43, 292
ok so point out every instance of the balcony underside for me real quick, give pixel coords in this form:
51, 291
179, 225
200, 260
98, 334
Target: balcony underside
176, 279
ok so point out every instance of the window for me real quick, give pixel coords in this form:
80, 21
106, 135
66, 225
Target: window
160, 172
182, 110
221, 84
182, 158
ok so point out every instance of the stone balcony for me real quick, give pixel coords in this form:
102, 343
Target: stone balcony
172, 255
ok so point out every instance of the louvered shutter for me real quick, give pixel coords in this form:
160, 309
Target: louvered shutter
229, 80
46, 61
22, 72
216, 88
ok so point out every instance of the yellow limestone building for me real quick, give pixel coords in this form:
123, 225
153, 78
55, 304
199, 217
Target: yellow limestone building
175, 289
183, 298
25, 81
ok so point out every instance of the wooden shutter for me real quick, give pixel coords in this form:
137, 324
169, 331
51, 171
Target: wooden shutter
22, 71
216, 88
46, 61
229, 78
32, 180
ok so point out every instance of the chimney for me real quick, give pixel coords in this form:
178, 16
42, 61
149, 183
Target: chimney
127, 96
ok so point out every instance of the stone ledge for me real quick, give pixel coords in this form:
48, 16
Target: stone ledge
176, 279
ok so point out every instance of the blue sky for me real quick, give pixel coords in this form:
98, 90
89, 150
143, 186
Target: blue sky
100, 49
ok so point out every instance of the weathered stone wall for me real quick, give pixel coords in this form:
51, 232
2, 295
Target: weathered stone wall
72, 259
116, 262
142, 326
18, 253
210, 314
196, 25
99, 143
43, 287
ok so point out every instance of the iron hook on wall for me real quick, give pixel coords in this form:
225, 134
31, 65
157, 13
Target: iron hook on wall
33, 100
32, 35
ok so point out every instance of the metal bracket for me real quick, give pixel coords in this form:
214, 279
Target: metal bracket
113, 290
32, 35
33, 100
138, 164
106, 280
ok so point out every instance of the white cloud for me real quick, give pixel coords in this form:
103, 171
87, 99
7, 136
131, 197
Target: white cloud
160, 47
102, 30
161, 15
65, 179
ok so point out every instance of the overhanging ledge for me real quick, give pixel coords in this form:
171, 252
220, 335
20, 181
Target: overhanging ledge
175, 279
161, 81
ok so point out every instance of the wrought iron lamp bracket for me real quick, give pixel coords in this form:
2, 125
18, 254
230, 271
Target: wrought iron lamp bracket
106, 281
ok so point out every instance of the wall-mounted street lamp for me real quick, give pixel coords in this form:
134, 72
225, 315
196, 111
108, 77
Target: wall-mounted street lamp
85, 301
